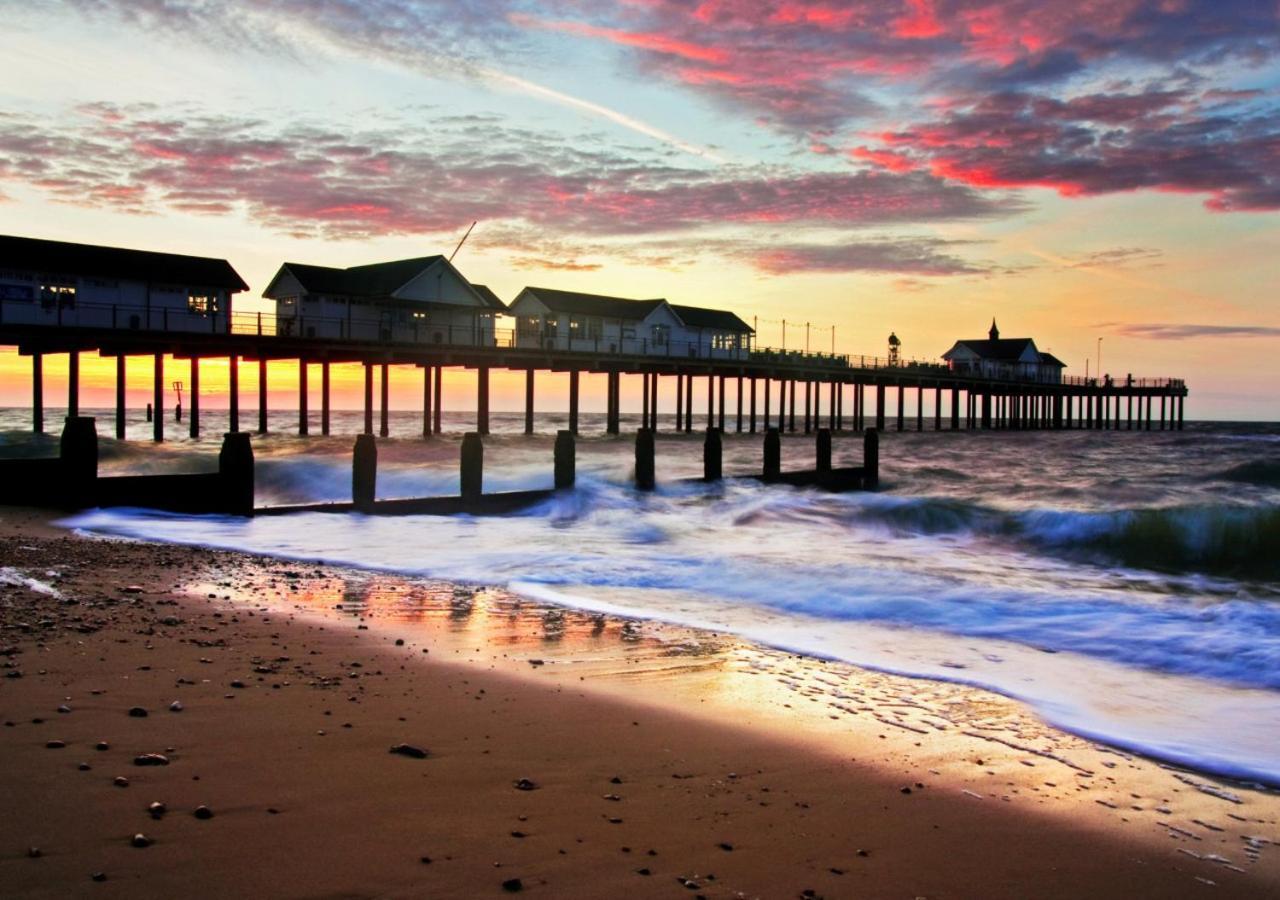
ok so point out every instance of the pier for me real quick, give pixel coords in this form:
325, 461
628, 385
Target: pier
741, 391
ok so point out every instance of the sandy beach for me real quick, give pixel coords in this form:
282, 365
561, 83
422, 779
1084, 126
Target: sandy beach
566, 754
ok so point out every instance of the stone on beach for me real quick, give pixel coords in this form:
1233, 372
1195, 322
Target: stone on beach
151, 759
409, 750
137, 712
141, 840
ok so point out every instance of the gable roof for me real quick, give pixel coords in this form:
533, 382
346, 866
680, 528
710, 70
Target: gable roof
575, 303
1048, 359
1000, 350
373, 280
489, 297
718, 319
62, 258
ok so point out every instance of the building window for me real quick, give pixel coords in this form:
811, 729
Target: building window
15, 292
550, 325
661, 335
595, 329
726, 342
575, 327
530, 324
422, 317
58, 294
628, 332
202, 304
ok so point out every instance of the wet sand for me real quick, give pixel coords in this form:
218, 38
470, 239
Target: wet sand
659, 761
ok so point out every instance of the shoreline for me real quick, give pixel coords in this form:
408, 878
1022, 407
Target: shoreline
736, 745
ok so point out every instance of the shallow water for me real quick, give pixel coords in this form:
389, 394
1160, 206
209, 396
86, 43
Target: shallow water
1126, 585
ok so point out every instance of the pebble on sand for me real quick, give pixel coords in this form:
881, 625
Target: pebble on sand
409, 750
175, 706
525, 784
157, 809
203, 812
140, 840
151, 759
137, 712
55, 745
513, 885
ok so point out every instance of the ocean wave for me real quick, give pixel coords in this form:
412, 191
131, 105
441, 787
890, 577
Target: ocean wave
1263, 473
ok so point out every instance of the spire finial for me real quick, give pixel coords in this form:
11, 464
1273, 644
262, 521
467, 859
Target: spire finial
994, 333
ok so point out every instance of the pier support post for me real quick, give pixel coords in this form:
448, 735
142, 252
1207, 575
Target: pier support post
739, 428
809, 406
426, 401
644, 403
157, 389
955, 409
528, 401
565, 460
920, 407
262, 395
822, 448
1128, 425
1180, 403
879, 406
324, 398
37, 392
437, 390
383, 424
482, 399
194, 417
233, 393
1148, 428
303, 413
712, 455
688, 404
711, 401
78, 449
573, 400
902, 404
753, 405
120, 397
833, 393
235, 466
986, 410
720, 421
644, 460
653, 401
871, 459
364, 472
792, 398
772, 454
368, 398
679, 402
768, 390
73, 383
472, 467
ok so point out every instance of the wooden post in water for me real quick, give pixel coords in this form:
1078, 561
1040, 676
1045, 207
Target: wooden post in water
383, 425
822, 448
879, 406
426, 401
955, 409
528, 401
37, 392
368, 398
902, 404
78, 450
833, 419
157, 388
364, 472
235, 465
768, 390
653, 402
1148, 416
792, 422
472, 467
437, 391
712, 455
688, 404
711, 401
120, 395
573, 400
871, 459
482, 399
720, 420
808, 404
920, 407
679, 402
233, 393
194, 418
753, 405
324, 398
565, 460
1181, 400
772, 454
739, 429
73, 383
644, 460
262, 395
303, 415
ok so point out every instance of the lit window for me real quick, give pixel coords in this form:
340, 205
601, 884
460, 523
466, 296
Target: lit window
575, 326
60, 294
202, 304
661, 334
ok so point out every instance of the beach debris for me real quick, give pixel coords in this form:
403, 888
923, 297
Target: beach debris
409, 750
151, 759
203, 812
98, 876
102, 745
525, 784
34, 853
725, 846
64, 709
137, 712
140, 840
513, 885
120, 781
55, 745
176, 706
157, 809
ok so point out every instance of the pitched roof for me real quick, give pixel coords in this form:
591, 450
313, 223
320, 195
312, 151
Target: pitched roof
373, 280
574, 303
719, 319
61, 258
1001, 350
489, 297
1048, 359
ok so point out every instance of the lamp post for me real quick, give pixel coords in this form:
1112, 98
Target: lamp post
1099, 357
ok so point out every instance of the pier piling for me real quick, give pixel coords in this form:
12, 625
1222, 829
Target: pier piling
158, 390
235, 466
194, 418
73, 384
573, 400
262, 396
233, 393
120, 405
303, 415
383, 425
528, 401
644, 460
482, 399
37, 392
823, 450
78, 448
772, 454
368, 398
712, 455
364, 472
324, 398
565, 461
472, 470
871, 459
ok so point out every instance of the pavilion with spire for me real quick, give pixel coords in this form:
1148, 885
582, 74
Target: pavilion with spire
1009, 358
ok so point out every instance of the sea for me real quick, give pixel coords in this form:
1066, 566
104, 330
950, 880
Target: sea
1125, 585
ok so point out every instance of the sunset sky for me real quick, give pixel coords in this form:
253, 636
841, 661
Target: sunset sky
1078, 170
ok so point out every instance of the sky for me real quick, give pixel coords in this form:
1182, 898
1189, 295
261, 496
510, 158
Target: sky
1103, 177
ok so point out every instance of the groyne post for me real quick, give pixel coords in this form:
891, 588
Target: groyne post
120, 392
871, 459
233, 393
528, 401
565, 461
472, 467
712, 455
78, 448
158, 389
823, 449
644, 460
364, 472
303, 415
73, 383
194, 417
37, 393
235, 465
262, 395
772, 454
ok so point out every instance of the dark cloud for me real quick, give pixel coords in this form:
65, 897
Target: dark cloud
1165, 331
